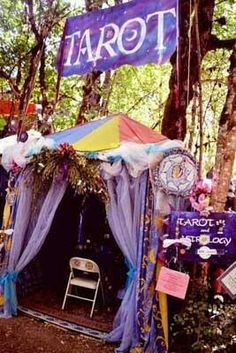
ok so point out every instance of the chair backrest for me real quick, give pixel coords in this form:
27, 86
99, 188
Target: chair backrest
82, 264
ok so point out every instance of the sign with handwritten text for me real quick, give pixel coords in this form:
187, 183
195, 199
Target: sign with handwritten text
172, 282
212, 237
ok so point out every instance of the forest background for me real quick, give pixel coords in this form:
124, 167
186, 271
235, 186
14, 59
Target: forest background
192, 98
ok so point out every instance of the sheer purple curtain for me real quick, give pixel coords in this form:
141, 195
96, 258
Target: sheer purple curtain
127, 198
45, 218
23, 216
7, 279
23, 252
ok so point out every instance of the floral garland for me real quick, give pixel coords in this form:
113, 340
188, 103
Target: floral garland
65, 164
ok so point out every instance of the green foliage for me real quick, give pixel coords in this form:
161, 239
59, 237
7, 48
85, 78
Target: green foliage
140, 92
204, 325
17, 42
214, 75
226, 10
2, 123
81, 173
15, 35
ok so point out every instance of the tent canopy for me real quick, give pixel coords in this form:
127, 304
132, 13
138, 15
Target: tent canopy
107, 133
115, 137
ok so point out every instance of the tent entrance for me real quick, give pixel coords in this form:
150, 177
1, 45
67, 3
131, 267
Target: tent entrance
79, 229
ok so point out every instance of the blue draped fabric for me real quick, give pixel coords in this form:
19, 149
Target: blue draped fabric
8, 283
137, 325
26, 245
124, 214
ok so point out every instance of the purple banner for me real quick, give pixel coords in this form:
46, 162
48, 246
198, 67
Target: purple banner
134, 33
211, 238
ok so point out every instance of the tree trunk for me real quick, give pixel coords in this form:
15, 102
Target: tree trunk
37, 54
182, 80
91, 98
30, 79
226, 142
91, 105
193, 120
91, 94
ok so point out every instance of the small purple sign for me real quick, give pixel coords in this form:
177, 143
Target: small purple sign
204, 237
135, 33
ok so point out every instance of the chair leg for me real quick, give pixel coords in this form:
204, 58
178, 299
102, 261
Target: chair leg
94, 299
67, 290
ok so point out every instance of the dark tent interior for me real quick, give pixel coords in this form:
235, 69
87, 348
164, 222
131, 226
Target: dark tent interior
79, 228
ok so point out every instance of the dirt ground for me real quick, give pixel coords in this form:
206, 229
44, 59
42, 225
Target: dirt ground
26, 335
76, 311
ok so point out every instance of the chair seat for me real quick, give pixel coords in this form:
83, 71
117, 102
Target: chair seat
84, 282
87, 267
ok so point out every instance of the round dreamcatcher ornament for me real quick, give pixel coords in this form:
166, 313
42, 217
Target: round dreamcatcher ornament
176, 173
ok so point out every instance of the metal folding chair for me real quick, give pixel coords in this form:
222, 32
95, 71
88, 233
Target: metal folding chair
84, 267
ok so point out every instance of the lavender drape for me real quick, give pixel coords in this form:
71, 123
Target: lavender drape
23, 252
21, 221
127, 196
46, 215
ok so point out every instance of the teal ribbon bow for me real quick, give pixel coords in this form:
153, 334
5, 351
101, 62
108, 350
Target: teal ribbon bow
8, 282
130, 274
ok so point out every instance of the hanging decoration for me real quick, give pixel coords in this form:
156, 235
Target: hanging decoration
5, 247
11, 190
23, 136
176, 173
64, 163
200, 196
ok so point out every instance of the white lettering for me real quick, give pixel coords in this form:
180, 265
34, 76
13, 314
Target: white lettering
114, 30
188, 222
211, 222
180, 221
197, 222
191, 238
228, 241
216, 240
87, 48
134, 35
160, 25
71, 48
202, 222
